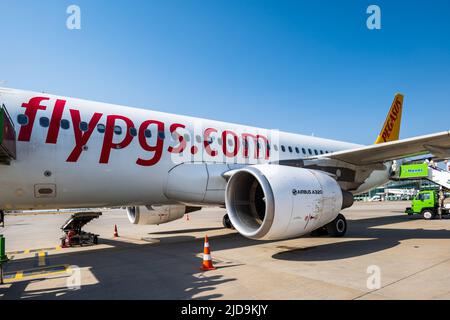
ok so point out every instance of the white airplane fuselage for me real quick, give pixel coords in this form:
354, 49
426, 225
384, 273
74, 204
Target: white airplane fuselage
61, 163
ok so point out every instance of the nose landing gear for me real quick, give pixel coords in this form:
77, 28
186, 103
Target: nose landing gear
336, 228
227, 222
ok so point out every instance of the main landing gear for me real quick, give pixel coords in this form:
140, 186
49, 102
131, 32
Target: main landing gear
336, 228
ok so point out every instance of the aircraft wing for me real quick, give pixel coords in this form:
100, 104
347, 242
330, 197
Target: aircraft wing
438, 144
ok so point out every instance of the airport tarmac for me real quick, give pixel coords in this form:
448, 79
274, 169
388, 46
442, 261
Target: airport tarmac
411, 255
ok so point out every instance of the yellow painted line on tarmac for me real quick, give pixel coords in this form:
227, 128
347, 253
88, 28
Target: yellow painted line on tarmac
57, 248
42, 258
37, 272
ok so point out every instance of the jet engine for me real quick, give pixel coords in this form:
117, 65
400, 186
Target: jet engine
278, 202
145, 215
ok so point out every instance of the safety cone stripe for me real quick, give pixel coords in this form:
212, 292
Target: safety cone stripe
207, 257
207, 263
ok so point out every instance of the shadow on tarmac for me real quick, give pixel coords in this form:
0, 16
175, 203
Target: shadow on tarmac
373, 239
170, 269
185, 231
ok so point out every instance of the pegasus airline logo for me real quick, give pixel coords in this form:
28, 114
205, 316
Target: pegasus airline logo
229, 148
391, 127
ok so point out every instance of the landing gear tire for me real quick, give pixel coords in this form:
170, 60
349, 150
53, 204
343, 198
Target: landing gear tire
337, 227
227, 222
428, 215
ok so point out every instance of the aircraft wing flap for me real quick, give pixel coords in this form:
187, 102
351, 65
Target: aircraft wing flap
438, 144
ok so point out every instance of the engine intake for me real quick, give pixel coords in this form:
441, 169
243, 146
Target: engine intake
146, 215
278, 202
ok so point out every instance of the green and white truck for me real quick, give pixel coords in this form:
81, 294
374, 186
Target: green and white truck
426, 203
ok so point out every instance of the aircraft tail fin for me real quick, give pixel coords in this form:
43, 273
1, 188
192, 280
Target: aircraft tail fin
391, 127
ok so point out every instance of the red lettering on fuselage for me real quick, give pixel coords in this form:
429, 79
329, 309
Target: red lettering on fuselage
55, 122
32, 108
81, 138
235, 151
157, 149
182, 143
207, 141
257, 145
109, 135
84, 131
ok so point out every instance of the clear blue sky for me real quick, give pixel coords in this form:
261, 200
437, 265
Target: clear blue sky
305, 67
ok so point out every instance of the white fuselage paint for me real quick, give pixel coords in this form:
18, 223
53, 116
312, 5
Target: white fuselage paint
121, 181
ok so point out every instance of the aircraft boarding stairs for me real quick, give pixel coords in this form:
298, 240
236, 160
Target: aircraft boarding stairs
423, 171
7, 137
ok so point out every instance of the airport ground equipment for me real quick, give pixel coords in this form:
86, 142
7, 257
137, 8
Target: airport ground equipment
426, 203
3, 257
7, 137
73, 233
423, 171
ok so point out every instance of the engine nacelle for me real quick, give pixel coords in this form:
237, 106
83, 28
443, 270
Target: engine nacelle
278, 202
146, 215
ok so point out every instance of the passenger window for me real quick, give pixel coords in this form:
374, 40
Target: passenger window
309, 151
84, 126
101, 128
283, 148
297, 150
118, 130
315, 151
133, 132
219, 141
275, 147
230, 142
187, 137
198, 138
290, 149
44, 122
303, 150
426, 196
22, 119
161, 135
147, 133
65, 124
268, 146
321, 152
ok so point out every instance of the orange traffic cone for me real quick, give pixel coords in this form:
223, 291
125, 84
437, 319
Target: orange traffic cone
116, 234
207, 261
